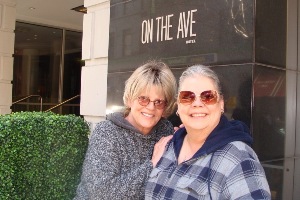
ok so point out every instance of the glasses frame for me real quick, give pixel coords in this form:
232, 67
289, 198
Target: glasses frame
158, 103
203, 100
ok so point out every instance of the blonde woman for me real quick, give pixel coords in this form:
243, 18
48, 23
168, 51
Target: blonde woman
118, 159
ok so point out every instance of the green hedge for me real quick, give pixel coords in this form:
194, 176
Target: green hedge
41, 155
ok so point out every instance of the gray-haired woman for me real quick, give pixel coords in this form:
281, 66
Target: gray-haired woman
210, 157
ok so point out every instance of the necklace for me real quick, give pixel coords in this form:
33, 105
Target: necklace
185, 151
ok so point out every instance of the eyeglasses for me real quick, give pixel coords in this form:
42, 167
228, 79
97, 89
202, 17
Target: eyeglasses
208, 97
158, 103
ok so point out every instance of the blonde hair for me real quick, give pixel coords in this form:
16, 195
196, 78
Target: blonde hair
153, 73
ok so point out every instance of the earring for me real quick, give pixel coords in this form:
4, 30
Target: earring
222, 111
177, 113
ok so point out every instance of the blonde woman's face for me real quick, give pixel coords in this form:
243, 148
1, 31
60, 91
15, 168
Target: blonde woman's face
199, 116
144, 118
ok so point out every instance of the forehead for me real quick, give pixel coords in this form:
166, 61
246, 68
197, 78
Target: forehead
198, 84
153, 91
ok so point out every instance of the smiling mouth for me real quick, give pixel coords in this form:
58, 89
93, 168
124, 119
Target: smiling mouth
198, 115
147, 115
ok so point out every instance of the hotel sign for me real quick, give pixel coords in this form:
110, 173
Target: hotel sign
184, 28
179, 32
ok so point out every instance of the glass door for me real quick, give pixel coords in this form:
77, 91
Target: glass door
41, 73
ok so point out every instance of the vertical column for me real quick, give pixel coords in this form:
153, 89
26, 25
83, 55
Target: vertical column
7, 26
29, 72
297, 137
95, 54
290, 167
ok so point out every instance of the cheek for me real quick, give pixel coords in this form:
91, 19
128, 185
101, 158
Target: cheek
160, 113
181, 109
129, 103
217, 110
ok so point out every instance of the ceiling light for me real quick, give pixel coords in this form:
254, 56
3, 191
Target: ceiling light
81, 9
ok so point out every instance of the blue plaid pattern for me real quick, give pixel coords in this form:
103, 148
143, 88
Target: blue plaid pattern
231, 172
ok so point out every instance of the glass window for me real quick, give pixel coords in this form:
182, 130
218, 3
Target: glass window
72, 71
41, 71
269, 124
36, 64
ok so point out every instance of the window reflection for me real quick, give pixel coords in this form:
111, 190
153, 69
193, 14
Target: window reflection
269, 124
38, 68
36, 63
72, 71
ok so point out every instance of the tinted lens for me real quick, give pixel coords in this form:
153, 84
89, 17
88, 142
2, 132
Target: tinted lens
187, 97
208, 97
159, 104
144, 101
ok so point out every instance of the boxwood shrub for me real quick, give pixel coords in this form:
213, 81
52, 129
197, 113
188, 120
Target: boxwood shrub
41, 155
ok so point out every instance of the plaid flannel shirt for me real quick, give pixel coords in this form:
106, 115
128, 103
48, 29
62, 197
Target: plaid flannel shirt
225, 167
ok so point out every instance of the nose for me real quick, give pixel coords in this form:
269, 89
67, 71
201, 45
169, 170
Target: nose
198, 101
151, 105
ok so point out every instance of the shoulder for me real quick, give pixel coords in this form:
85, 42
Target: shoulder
108, 137
165, 124
104, 126
106, 130
164, 128
232, 155
241, 150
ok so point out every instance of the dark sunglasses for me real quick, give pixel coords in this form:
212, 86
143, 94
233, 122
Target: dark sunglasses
208, 97
158, 103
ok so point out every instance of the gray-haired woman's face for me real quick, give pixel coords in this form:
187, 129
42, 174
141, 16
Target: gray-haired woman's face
199, 115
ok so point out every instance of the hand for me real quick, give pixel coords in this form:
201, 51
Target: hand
159, 149
176, 127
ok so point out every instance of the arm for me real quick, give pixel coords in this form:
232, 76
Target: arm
102, 177
247, 181
159, 149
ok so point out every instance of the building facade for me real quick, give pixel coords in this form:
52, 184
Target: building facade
252, 45
7, 26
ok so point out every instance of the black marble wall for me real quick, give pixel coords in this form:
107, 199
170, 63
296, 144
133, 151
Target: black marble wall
243, 40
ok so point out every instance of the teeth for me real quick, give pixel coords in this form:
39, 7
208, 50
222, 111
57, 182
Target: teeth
198, 115
147, 115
